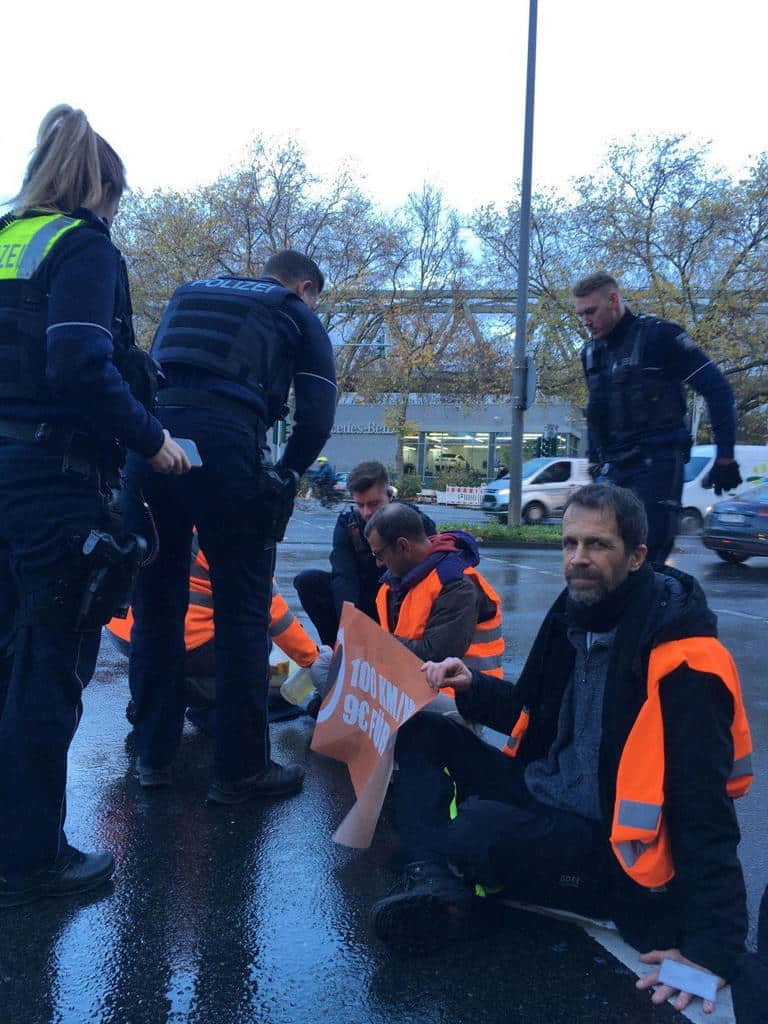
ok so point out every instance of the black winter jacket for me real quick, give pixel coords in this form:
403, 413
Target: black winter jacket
703, 910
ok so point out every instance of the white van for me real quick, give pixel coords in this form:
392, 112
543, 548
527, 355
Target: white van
547, 485
753, 466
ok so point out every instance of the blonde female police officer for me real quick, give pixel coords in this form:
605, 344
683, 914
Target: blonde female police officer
66, 412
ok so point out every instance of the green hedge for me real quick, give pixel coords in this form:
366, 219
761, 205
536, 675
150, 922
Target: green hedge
496, 533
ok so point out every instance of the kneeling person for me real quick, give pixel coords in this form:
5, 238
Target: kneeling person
200, 665
628, 740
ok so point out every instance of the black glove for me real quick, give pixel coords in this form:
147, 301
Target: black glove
723, 477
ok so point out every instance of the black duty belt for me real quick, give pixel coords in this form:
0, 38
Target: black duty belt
56, 437
197, 398
81, 450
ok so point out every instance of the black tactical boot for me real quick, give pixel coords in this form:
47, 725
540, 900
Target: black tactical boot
429, 909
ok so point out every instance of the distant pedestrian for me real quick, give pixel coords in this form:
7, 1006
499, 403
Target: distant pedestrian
636, 369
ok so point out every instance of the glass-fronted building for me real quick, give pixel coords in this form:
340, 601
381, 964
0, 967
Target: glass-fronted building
445, 436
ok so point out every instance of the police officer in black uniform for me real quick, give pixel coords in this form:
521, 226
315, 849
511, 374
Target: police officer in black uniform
66, 413
636, 368
229, 347
355, 573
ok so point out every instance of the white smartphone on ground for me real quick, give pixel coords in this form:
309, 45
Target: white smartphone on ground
190, 450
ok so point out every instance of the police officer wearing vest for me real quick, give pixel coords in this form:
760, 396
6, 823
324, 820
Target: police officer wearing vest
636, 368
66, 415
613, 796
230, 348
354, 574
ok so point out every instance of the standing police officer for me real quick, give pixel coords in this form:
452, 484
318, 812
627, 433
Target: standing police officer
230, 348
66, 413
636, 367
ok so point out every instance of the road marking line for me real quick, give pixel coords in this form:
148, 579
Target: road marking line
606, 935
741, 615
519, 565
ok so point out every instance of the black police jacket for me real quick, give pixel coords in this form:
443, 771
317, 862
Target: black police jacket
635, 379
75, 314
249, 339
354, 573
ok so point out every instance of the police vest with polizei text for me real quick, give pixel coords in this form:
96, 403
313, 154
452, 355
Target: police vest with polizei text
25, 246
626, 397
237, 329
639, 835
486, 650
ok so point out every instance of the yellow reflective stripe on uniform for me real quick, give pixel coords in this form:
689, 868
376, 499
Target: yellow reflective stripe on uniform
636, 814
25, 243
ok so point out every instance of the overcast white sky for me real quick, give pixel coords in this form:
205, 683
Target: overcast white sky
409, 89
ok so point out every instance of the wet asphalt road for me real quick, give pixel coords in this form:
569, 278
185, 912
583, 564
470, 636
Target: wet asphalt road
250, 915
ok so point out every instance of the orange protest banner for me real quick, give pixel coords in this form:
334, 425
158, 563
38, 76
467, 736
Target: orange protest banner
376, 686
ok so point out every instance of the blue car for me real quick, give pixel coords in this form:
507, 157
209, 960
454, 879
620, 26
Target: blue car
737, 528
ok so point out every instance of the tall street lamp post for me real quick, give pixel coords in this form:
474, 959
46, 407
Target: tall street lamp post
519, 382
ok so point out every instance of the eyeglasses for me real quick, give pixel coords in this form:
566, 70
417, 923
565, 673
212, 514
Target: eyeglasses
378, 554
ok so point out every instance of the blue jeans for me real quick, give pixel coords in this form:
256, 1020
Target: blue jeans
44, 662
221, 500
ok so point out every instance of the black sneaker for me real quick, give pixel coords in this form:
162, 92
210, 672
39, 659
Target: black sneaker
430, 909
73, 872
276, 781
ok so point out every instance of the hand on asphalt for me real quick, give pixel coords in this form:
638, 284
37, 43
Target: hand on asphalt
665, 992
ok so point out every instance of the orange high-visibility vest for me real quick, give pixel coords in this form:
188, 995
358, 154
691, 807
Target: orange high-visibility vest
487, 647
512, 747
639, 835
284, 628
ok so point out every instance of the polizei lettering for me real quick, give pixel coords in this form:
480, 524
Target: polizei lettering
380, 706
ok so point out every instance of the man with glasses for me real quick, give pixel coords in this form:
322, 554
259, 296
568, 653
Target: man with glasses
432, 598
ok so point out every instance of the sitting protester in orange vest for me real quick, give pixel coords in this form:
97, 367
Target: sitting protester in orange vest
200, 669
432, 598
628, 741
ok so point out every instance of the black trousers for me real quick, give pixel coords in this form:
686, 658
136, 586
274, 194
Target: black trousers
656, 477
500, 837
314, 589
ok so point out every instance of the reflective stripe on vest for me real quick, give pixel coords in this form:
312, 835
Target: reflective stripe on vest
639, 833
284, 628
487, 646
512, 747
25, 243
288, 633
